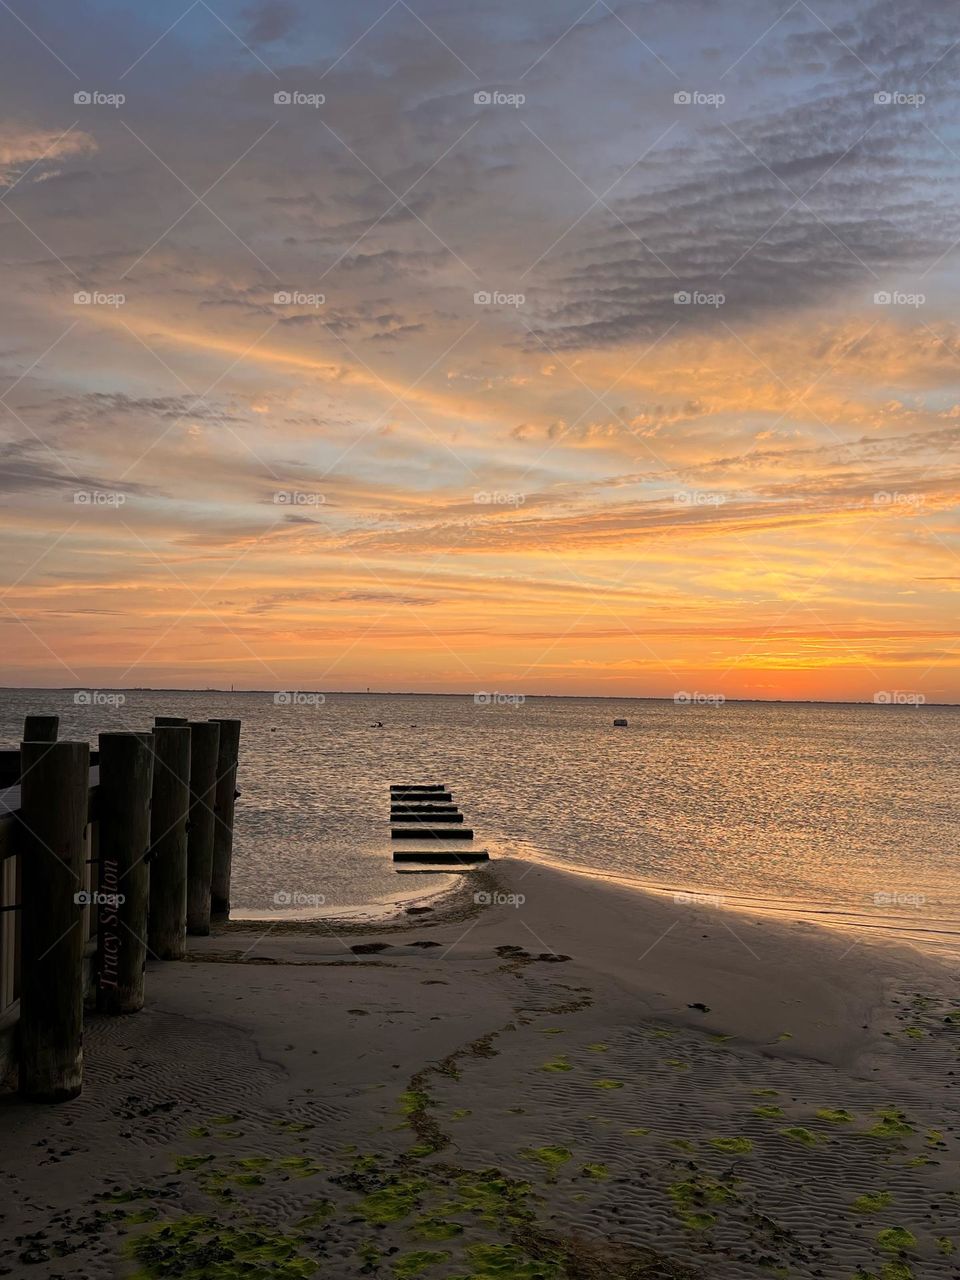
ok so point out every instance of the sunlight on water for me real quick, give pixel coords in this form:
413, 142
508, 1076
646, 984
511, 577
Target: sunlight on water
843, 814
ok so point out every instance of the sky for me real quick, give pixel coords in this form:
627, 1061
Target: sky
555, 348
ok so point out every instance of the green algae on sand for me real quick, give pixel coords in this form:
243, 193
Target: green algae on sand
872, 1202
196, 1247
797, 1133
551, 1158
413, 1264
428, 1228
506, 1262
895, 1239
393, 1201
732, 1146
891, 1123
696, 1197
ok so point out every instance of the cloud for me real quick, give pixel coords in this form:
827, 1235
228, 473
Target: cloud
26, 467
383, 597
37, 153
270, 21
617, 414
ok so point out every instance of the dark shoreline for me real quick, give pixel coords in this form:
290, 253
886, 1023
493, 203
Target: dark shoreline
529, 697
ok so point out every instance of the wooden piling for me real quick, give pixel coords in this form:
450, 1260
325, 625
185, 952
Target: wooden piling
38, 728
204, 748
170, 806
126, 782
225, 802
54, 803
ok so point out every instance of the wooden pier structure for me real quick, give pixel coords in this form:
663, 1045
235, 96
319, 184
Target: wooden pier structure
106, 857
114, 855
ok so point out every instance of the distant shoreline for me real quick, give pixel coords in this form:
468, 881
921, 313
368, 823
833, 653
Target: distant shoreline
528, 697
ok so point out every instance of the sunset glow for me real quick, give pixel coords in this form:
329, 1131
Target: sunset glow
704, 435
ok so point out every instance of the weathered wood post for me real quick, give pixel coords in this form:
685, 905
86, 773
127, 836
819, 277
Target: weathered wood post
38, 728
167, 934
54, 802
204, 746
169, 720
226, 799
126, 782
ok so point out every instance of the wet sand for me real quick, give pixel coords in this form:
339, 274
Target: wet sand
594, 1082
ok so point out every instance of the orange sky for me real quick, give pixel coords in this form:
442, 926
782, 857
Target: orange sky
594, 487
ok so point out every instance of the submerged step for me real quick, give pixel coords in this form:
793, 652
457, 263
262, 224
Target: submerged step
426, 818
444, 856
453, 815
442, 806
417, 832
425, 811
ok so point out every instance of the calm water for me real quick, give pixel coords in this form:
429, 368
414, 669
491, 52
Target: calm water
813, 810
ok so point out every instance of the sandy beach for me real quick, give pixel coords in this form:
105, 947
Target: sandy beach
591, 1082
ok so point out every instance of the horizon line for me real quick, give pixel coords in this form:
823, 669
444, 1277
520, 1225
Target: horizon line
422, 693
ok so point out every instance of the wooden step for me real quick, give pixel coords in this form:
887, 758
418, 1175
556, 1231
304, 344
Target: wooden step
426, 818
448, 807
428, 797
417, 832
424, 815
442, 856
